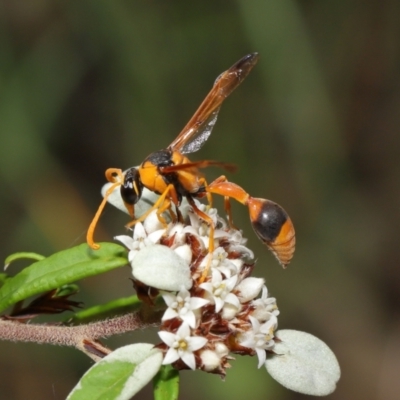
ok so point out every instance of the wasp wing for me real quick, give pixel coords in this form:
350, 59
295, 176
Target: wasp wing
201, 135
200, 126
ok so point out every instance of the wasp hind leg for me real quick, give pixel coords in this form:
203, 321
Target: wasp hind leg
269, 220
208, 220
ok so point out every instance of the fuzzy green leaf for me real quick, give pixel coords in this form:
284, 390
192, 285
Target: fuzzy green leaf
61, 268
120, 375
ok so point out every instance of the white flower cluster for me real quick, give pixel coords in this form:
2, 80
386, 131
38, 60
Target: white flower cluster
211, 315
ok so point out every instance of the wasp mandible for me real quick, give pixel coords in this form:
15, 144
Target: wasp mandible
171, 175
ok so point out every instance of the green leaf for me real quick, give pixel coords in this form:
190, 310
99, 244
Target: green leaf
20, 256
120, 375
61, 268
3, 278
166, 383
67, 290
119, 306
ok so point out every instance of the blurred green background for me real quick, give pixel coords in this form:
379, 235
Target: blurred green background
87, 85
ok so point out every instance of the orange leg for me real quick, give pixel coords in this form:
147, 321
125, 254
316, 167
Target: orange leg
115, 176
270, 221
210, 222
228, 189
162, 204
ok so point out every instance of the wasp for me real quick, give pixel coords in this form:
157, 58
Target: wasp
170, 174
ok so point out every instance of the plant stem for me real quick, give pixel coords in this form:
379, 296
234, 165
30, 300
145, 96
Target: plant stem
82, 337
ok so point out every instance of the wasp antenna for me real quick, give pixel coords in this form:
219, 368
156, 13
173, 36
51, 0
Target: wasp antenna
92, 226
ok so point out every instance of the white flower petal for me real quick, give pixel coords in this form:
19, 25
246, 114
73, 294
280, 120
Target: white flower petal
155, 236
262, 356
229, 311
210, 360
189, 360
197, 302
219, 303
232, 299
196, 342
167, 337
185, 252
139, 232
189, 318
183, 331
171, 356
249, 288
168, 297
127, 241
169, 314
152, 223
231, 282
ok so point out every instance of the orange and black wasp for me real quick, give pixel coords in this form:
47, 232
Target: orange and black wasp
171, 175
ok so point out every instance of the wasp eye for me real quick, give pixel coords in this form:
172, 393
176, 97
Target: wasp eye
131, 189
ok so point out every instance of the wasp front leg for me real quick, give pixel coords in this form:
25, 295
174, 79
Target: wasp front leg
162, 204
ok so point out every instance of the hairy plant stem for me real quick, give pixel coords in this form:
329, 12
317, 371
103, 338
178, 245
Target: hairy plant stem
82, 337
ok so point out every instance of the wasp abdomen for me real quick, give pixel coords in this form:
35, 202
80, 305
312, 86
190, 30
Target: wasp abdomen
273, 226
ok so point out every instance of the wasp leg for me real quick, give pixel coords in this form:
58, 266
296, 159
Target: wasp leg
177, 214
162, 204
213, 188
210, 222
270, 221
116, 177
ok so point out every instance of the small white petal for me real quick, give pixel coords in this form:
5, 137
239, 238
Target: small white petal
185, 252
127, 241
231, 282
210, 360
254, 323
152, 223
189, 360
155, 236
169, 314
167, 337
197, 302
221, 349
160, 267
229, 311
171, 356
139, 232
303, 363
219, 303
262, 356
232, 299
189, 318
247, 339
168, 297
183, 331
249, 288
196, 342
